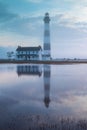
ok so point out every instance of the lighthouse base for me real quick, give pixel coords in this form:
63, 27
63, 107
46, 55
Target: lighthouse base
46, 57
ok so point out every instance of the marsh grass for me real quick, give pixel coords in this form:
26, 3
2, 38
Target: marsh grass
45, 123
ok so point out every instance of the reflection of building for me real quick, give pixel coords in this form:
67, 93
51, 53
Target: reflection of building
28, 53
46, 51
29, 70
36, 70
47, 85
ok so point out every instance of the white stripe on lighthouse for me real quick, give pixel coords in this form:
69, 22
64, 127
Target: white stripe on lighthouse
47, 26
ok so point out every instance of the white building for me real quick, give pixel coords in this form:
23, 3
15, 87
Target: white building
29, 53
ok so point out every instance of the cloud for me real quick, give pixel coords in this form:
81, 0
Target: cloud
5, 14
16, 29
77, 1
15, 40
73, 18
28, 25
31, 26
35, 1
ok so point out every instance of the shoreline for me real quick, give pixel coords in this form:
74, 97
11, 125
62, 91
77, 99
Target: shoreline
6, 61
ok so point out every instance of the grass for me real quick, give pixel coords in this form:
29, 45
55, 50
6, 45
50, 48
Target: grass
40, 123
7, 61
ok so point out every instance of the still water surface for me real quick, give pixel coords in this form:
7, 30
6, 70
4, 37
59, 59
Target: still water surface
49, 91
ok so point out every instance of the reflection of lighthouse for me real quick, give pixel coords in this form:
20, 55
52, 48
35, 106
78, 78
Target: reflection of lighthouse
46, 37
47, 85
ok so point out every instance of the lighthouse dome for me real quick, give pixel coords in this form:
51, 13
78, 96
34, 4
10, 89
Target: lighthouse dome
47, 14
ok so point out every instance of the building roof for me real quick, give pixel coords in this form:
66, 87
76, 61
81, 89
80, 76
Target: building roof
28, 48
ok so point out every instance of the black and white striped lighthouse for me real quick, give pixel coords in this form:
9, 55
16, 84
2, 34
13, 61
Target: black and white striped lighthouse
46, 47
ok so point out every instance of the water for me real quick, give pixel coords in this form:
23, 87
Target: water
31, 94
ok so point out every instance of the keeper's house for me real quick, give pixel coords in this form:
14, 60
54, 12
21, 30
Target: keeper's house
29, 53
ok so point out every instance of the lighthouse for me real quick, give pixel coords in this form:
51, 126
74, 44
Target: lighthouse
46, 46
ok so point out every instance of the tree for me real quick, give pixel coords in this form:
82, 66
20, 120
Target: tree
10, 54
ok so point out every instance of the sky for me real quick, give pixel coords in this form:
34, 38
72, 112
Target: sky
21, 23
